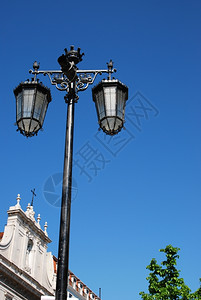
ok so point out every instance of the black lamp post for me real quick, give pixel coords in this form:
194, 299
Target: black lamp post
32, 99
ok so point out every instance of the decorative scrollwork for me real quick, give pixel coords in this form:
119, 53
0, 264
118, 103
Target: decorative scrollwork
56, 78
82, 86
59, 80
83, 80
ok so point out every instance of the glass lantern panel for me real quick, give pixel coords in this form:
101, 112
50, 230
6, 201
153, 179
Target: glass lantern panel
118, 124
120, 103
20, 125
104, 124
38, 105
26, 123
100, 104
28, 100
110, 100
43, 111
34, 127
111, 123
19, 105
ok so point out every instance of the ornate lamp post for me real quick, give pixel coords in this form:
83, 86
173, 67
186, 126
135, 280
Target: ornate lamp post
32, 99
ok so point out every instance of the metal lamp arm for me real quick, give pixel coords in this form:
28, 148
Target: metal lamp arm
84, 77
84, 82
44, 72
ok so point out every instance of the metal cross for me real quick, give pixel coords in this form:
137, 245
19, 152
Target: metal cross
33, 192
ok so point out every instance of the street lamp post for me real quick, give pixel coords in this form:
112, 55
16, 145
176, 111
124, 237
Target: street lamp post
32, 99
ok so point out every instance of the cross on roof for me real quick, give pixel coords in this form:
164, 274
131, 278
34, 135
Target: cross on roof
33, 192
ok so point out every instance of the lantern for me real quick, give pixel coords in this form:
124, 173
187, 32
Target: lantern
110, 99
32, 99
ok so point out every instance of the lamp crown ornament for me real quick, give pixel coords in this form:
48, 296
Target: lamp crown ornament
73, 55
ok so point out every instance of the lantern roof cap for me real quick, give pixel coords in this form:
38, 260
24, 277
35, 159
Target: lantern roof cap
110, 83
33, 84
113, 80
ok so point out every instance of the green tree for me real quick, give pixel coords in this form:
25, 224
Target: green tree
164, 280
197, 294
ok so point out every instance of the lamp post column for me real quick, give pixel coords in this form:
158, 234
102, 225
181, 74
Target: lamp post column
64, 236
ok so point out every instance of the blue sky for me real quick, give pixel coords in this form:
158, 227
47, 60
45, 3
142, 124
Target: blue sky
146, 193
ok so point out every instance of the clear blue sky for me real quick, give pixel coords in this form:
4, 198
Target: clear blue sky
147, 193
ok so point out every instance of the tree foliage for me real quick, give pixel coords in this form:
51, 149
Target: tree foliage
164, 280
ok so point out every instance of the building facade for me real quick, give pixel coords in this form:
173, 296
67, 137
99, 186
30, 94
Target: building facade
27, 269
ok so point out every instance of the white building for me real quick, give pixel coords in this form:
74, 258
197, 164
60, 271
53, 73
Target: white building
27, 270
